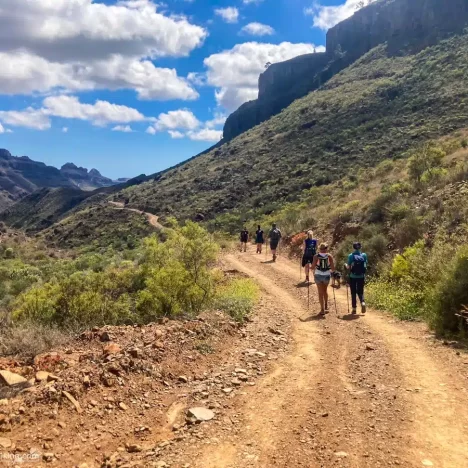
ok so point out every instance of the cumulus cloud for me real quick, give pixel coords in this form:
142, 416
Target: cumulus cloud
175, 134
29, 118
182, 123
325, 17
235, 72
100, 113
229, 14
248, 2
258, 29
206, 134
81, 45
178, 119
122, 128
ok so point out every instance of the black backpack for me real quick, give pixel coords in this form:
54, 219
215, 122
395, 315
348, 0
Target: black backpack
358, 266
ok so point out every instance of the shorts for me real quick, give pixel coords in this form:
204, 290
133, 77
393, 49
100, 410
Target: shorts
306, 259
274, 245
322, 279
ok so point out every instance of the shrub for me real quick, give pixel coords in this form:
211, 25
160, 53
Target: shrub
464, 143
450, 295
238, 298
407, 231
30, 339
403, 302
398, 211
377, 210
424, 161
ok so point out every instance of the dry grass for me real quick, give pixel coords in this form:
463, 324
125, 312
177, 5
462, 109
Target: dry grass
29, 340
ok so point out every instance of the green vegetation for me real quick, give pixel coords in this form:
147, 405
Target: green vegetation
413, 228
44, 297
238, 298
379, 109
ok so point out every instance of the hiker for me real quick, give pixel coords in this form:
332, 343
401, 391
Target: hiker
244, 238
275, 237
323, 266
259, 239
357, 267
309, 250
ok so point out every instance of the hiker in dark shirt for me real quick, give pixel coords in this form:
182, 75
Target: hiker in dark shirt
275, 238
259, 239
244, 238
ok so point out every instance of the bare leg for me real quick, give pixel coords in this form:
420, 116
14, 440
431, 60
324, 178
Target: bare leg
307, 269
321, 296
325, 295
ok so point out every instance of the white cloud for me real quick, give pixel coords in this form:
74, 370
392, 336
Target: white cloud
248, 2
218, 120
258, 29
235, 72
229, 14
23, 73
2, 130
99, 113
325, 17
82, 44
198, 79
30, 118
122, 128
179, 119
151, 130
68, 30
175, 134
206, 134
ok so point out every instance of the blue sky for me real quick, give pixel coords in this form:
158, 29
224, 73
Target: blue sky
135, 86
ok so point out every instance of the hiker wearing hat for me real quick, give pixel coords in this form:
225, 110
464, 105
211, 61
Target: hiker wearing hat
323, 266
357, 267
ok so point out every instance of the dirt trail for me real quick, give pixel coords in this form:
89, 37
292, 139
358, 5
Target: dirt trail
354, 391
152, 219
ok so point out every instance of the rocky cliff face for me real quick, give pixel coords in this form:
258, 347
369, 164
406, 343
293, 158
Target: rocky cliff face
83, 179
406, 25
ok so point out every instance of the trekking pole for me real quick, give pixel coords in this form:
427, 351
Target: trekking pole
300, 269
308, 296
334, 299
347, 295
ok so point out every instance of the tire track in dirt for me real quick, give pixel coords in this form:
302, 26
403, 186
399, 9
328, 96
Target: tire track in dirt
434, 424
327, 403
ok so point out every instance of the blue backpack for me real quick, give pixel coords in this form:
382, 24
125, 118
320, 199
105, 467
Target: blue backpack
358, 266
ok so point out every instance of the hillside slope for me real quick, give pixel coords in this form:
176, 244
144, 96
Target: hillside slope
379, 107
403, 24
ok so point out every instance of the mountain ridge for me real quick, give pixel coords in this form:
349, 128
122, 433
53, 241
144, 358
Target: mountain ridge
404, 25
21, 176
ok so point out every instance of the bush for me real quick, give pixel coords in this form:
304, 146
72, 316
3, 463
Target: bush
407, 231
425, 161
30, 339
238, 298
450, 295
403, 302
464, 143
377, 210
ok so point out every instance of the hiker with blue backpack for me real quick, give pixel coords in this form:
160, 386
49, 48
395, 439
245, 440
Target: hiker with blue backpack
357, 267
309, 251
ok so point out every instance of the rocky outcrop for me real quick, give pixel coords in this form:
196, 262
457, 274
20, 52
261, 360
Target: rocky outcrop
405, 25
83, 179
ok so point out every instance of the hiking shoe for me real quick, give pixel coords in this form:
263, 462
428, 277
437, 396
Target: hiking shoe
307, 279
363, 308
353, 311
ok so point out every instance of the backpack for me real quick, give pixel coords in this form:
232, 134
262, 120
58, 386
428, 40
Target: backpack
311, 248
358, 267
275, 235
323, 262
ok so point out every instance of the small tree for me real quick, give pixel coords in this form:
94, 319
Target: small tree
425, 161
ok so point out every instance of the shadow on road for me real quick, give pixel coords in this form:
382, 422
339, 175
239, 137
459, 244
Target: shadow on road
312, 318
350, 317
